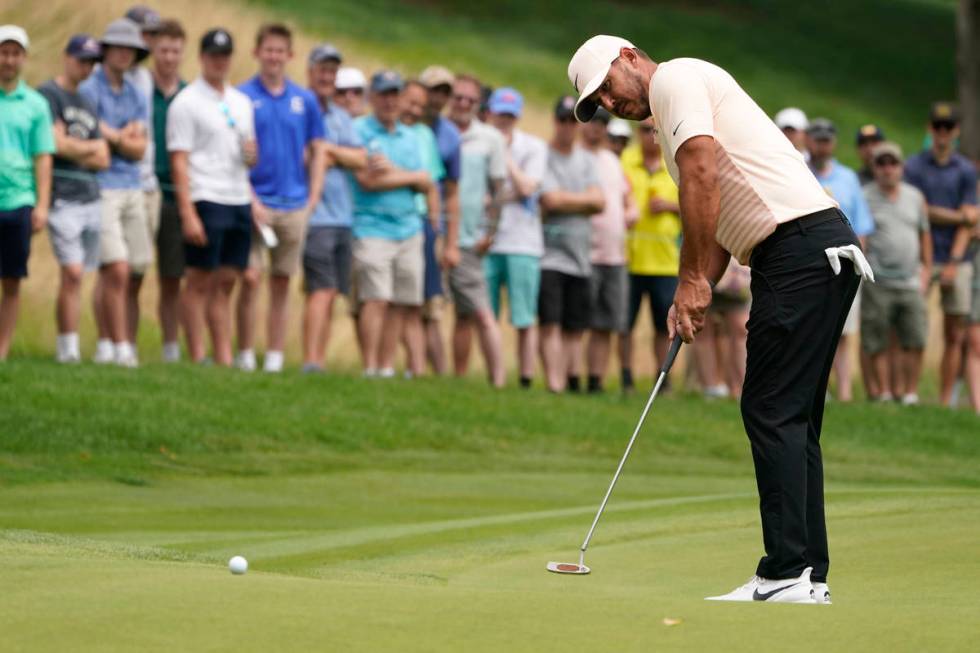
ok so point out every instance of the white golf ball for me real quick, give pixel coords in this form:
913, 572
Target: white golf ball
238, 565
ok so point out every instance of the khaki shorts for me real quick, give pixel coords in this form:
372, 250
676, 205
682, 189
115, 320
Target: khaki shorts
152, 200
975, 313
885, 309
432, 308
389, 270
290, 228
125, 232
468, 284
956, 298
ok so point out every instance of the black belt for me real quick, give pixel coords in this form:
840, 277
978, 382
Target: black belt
799, 225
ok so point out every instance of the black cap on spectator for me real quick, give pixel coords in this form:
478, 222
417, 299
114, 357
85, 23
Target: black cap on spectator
148, 19
217, 41
601, 115
821, 129
84, 48
565, 107
869, 133
386, 81
944, 112
325, 52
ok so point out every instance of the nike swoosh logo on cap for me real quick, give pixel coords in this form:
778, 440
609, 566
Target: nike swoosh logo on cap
678, 127
575, 83
765, 596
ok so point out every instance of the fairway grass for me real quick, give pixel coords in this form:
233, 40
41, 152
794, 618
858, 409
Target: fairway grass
419, 516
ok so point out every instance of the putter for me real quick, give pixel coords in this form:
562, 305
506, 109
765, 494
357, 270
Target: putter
580, 568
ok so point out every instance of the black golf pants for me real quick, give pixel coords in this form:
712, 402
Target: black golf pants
798, 311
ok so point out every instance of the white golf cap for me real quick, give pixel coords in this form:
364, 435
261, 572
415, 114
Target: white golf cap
793, 118
619, 127
15, 34
348, 77
589, 67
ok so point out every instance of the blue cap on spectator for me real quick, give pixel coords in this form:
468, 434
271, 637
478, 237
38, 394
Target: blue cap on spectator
84, 48
147, 18
385, 81
325, 52
506, 100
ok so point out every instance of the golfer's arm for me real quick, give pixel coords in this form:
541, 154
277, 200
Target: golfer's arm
700, 202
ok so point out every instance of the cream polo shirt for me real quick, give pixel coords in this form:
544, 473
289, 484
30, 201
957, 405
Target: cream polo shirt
763, 180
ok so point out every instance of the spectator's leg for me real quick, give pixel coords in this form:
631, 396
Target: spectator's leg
219, 312
193, 302
278, 312
68, 306
370, 320
973, 363
9, 307
414, 338
527, 347
552, 357
600, 345
391, 331
842, 368
954, 334
434, 348
705, 354
246, 312
462, 344
98, 307
490, 343
115, 277
133, 306
168, 309
571, 342
662, 291
317, 311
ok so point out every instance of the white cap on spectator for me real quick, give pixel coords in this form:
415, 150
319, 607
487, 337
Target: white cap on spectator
15, 34
348, 77
619, 127
793, 118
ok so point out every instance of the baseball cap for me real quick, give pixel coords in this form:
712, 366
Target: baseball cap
565, 107
589, 67
350, 78
84, 48
869, 133
821, 129
887, 148
217, 41
506, 100
619, 128
385, 81
124, 33
792, 118
325, 52
944, 112
147, 19
14, 33
436, 76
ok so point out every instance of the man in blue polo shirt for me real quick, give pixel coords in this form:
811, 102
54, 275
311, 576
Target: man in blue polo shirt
327, 254
842, 184
287, 182
388, 239
125, 243
949, 182
26, 146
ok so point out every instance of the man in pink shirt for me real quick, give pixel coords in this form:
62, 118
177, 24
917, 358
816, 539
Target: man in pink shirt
609, 277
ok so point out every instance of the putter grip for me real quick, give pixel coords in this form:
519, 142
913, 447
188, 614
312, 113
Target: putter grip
675, 346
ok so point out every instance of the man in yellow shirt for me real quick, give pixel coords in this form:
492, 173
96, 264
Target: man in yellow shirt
653, 244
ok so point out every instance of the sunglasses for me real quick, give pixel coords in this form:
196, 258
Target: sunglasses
352, 91
940, 125
887, 162
469, 99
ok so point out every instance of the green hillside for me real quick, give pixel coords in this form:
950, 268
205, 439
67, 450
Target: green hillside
860, 61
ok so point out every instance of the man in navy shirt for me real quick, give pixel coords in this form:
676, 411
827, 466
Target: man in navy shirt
287, 184
949, 182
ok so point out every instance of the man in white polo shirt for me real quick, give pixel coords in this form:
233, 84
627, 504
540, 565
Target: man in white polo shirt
745, 191
211, 139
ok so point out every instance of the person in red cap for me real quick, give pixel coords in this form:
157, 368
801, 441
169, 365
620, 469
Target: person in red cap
745, 192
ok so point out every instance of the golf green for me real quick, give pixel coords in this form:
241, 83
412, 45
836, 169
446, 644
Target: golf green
420, 517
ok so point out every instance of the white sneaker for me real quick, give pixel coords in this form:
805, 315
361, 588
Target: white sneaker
821, 593
719, 391
370, 373
386, 373
245, 361
126, 355
171, 352
790, 590
105, 352
273, 362
911, 399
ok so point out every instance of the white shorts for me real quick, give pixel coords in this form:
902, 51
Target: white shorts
74, 230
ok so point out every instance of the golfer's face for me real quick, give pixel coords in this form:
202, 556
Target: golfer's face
621, 95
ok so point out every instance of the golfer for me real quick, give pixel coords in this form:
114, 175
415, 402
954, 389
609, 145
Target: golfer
745, 192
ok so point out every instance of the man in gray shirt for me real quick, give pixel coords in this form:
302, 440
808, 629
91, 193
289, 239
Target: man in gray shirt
900, 254
570, 194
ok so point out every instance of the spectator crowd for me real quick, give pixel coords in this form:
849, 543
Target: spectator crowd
406, 196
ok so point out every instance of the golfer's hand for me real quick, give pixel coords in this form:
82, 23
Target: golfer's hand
39, 218
691, 301
193, 230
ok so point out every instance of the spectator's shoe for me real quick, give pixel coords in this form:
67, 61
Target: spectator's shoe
719, 391
370, 373
105, 353
821, 593
171, 352
273, 362
883, 398
126, 355
312, 368
68, 357
911, 399
790, 590
245, 361
386, 373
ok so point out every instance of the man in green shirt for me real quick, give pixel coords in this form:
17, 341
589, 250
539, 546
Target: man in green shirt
26, 146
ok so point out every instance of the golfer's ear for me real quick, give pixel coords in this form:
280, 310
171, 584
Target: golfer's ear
628, 53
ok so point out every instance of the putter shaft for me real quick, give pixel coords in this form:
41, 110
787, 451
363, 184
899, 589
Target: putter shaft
665, 368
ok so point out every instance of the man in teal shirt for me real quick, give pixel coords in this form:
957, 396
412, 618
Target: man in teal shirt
387, 228
26, 146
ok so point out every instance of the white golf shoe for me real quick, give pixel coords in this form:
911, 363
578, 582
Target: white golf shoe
821, 593
789, 590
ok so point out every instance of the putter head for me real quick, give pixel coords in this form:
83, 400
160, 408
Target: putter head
568, 568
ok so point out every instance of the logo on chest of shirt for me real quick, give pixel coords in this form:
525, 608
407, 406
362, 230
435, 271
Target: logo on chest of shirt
296, 104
